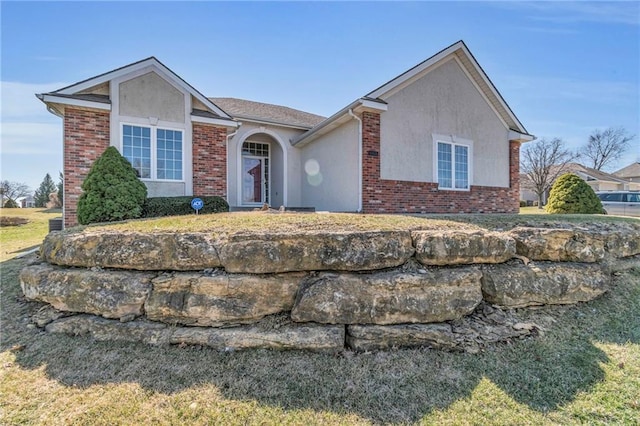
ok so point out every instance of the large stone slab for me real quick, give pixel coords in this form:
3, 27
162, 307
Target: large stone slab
543, 283
486, 325
316, 251
221, 299
112, 294
376, 337
388, 297
291, 336
462, 247
132, 250
577, 245
251, 253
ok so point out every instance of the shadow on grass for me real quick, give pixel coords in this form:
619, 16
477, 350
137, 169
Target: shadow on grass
26, 249
393, 386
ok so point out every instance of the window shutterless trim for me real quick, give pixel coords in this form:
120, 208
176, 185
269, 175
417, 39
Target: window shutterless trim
153, 130
453, 141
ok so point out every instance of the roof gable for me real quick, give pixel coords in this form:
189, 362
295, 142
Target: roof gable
376, 99
472, 68
592, 173
632, 170
150, 63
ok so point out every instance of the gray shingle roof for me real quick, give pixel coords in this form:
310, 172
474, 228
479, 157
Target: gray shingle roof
241, 108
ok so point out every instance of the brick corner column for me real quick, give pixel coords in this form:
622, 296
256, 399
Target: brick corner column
514, 171
86, 137
209, 160
370, 160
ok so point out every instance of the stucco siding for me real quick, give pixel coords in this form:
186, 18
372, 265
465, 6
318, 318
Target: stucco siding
444, 101
149, 95
335, 186
164, 189
100, 89
285, 159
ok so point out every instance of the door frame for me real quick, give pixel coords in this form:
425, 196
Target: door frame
265, 183
238, 160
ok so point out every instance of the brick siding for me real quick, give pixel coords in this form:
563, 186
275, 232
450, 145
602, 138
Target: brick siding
395, 196
209, 160
86, 137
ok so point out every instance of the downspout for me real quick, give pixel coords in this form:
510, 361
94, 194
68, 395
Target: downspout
359, 159
229, 136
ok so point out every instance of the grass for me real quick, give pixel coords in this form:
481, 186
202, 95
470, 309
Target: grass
532, 210
16, 239
584, 369
257, 222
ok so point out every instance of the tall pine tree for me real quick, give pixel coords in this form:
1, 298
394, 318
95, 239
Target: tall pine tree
42, 193
61, 190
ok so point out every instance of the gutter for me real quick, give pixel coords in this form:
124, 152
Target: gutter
359, 158
361, 102
229, 136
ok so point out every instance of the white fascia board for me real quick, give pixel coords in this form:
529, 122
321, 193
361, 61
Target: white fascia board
369, 105
414, 71
152, 64
86, 84
214, 121
331, 122
520, 137
271, 123
47, 99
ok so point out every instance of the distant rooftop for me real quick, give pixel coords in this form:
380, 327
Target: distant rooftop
241, 108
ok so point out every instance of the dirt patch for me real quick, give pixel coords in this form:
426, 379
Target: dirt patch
12, 221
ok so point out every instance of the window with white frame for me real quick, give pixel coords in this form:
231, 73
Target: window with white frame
145, 147
452, 166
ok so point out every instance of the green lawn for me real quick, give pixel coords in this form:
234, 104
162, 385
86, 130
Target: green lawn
15, 239
532, 210
584, 369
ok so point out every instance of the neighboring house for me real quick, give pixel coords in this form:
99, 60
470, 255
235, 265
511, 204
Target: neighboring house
596, 179
439, 138
631, 173
28, 202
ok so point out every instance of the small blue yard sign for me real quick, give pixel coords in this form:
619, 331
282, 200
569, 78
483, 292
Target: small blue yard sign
197, 204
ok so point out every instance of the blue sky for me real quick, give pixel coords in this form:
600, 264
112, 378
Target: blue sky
565, 68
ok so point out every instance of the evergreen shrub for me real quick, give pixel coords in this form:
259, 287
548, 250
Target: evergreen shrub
570, 194
175, 206
111, 191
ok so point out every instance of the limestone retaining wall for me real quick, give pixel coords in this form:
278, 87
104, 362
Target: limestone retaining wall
319, 291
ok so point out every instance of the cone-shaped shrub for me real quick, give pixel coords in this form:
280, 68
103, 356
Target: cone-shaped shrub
111, 191
571, 194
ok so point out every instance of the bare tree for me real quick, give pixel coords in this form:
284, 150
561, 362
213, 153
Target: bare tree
13, 190
543, 161
605, 147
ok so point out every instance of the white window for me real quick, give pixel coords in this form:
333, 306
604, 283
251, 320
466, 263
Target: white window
155, 153
453, 165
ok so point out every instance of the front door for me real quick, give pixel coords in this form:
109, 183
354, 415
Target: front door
255, 180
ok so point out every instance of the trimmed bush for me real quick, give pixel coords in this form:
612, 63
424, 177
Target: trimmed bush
571, 194
523, 203
111, 191
10, 204
175, 206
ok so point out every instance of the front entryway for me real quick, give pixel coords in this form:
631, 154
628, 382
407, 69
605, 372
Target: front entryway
255, 173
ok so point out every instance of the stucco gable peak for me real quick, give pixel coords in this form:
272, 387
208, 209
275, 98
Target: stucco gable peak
153, 65
460, 52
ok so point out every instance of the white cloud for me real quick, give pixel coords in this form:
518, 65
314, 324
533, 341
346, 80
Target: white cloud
30, 138
19, 102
